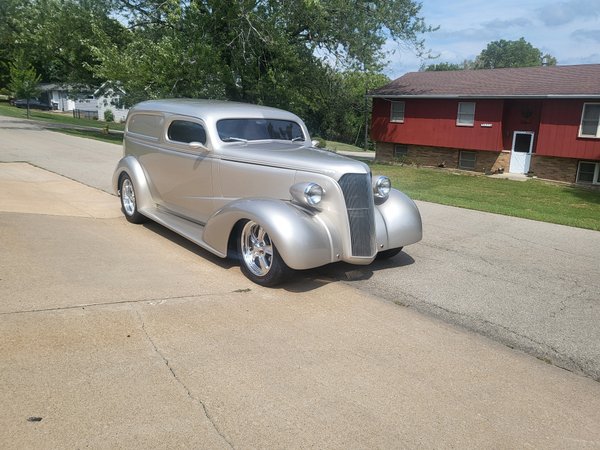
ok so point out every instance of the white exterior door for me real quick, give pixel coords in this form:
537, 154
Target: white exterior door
520, 158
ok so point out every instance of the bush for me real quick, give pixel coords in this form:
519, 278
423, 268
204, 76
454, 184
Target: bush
109, 116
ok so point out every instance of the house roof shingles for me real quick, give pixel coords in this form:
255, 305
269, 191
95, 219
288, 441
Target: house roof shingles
551, 81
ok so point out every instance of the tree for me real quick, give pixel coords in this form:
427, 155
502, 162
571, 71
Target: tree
500, 54
282, 53
442, 67
56, 35
23, 80
519, 53
293, 54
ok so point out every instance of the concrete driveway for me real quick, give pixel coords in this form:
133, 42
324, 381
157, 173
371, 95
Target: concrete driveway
88, 161
118, 336
531, 285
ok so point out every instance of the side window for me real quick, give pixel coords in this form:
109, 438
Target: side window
185, 131
148, 125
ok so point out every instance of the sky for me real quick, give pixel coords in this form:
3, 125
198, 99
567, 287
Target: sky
568, 30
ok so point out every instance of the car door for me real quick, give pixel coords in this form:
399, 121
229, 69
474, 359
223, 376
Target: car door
181, 169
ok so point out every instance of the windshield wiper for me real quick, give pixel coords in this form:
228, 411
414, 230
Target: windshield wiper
234, 139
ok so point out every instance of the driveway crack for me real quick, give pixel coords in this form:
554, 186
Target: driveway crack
196, 400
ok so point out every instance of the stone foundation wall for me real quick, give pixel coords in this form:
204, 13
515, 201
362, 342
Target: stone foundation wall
545, 167
485, 161
553, 168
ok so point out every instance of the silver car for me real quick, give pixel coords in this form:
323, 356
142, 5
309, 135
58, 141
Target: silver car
245, 181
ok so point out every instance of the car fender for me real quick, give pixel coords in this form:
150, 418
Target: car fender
398, 221
302, 239
131, 166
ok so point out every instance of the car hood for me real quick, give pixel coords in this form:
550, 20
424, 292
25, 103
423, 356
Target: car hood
292, 156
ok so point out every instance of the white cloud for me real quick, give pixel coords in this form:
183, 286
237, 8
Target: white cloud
467, 26
592, 35
562, 13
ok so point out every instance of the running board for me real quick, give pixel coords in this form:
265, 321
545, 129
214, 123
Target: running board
186, 228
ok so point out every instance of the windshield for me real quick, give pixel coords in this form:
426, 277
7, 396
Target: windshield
243, 130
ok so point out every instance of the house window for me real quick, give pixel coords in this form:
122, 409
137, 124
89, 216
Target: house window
466, 160
590, 120
588, 172
400, 150
466, 114
397, 112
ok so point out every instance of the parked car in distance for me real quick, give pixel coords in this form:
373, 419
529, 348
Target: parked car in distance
34, 103
245, 181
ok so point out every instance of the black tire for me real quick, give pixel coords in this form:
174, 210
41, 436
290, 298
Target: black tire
387, 254
128, 201
259, 259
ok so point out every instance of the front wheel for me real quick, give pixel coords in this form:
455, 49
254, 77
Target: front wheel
259, 259
128, 202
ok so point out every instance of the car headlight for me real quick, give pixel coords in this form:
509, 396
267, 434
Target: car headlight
308, 194
382, 186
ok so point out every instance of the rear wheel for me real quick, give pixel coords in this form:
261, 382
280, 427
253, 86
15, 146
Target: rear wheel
259, 259
128, 202
387, 254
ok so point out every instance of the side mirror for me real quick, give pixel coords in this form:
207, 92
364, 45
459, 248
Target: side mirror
197, 145
315, 143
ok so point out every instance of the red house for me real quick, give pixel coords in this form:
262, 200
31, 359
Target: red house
543, 121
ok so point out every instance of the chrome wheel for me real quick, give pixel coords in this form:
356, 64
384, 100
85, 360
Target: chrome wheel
256, 249
128, 197
129, 202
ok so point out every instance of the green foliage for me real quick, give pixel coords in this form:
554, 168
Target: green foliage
315, 58
56, 36
23, 80
442, 67
109, 116
519, 53
307, 56
500, 54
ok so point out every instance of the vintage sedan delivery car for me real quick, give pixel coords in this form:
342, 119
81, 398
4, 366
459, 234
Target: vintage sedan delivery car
246, 181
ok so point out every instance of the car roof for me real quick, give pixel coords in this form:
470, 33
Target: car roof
212, 109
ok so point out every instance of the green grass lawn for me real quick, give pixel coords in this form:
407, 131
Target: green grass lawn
99, 135
54, 117
531, 199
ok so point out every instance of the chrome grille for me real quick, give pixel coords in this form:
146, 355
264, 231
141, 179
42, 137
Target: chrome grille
358, 195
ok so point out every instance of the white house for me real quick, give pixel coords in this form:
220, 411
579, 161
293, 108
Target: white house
58, 96
106, 97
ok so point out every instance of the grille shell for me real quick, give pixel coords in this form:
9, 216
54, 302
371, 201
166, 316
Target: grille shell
358, 196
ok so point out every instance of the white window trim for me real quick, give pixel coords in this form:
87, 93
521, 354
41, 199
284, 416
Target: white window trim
589, 136
596, 178
392, 103
472, 124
